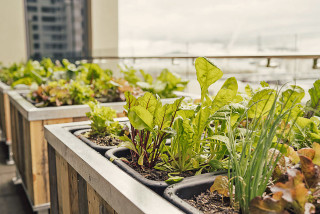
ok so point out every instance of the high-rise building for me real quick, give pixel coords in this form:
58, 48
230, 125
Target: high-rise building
57, 28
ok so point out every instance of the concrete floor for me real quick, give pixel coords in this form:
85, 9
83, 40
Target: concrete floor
13, 199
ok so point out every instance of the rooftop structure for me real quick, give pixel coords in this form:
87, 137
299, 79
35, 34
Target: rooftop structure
57, 28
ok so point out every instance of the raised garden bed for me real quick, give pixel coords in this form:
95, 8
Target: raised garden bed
29, 144
83, 181
5, 122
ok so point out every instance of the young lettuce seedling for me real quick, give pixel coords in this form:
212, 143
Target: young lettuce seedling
102, 122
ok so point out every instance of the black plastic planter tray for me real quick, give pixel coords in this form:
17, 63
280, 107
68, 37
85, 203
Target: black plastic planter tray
157, 186
101, 149
189, 188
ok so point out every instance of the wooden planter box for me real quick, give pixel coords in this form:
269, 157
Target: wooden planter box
5, 122
30, 147
5, 112
83, 181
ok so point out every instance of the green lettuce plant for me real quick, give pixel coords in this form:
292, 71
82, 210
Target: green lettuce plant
102, 120
57, 93
164, 85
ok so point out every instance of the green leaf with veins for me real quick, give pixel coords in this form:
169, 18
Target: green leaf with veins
207, 74
225, 95
147, 77
140, 118
261, 103
148, 101
130, 99
314, 103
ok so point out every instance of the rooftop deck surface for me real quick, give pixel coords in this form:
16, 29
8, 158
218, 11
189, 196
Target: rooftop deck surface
13, 199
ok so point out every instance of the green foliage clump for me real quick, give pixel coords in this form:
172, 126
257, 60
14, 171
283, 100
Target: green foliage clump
164, 85
30, 72
57, 93
102, 120
151, 124
313, 105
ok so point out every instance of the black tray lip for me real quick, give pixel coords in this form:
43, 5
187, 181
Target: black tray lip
172, 192
110, 154
79, 133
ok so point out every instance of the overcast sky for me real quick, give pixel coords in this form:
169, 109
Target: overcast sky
169, 26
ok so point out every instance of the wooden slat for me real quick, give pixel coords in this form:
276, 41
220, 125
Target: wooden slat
82, 195
14, 135
105, 208
93, 200
63, 185
7, 127
25, 147
40, 159
54, 206
121, 114
2, 112
79, 119
73, 183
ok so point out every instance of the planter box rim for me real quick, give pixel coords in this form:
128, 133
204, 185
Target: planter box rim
119, 190
30, 112
4, 87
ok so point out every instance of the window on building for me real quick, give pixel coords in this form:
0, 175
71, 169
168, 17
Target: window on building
34, 18
31, 0
56, 46
35, 36
48, 10
36, 45
53, 28
32, 9
35, 27
58, 37
48, 19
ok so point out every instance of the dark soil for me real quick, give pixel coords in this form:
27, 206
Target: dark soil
103, 140
209, 202
153, 174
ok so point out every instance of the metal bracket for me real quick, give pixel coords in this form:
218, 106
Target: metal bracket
10, 160
17, 180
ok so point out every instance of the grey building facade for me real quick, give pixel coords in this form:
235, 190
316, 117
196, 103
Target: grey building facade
57, 28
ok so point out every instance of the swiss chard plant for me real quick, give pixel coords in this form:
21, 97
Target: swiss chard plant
151, 124
197, 141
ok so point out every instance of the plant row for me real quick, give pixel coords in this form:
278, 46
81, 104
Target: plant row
266, 139
65, 83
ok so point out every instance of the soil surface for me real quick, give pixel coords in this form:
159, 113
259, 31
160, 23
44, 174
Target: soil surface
153, 174
103, 140
209, 202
